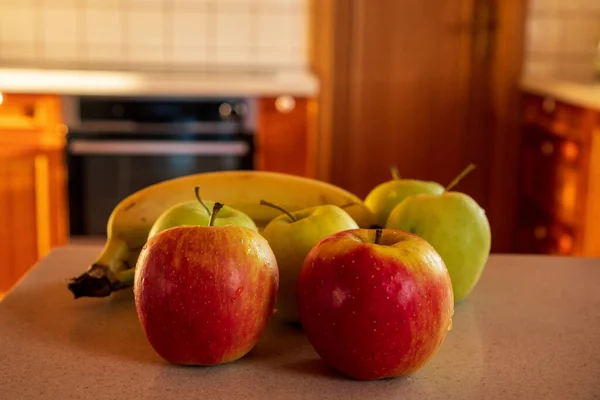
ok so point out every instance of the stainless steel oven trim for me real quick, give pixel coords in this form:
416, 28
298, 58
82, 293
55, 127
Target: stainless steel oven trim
157, 147
70, 116
125, 127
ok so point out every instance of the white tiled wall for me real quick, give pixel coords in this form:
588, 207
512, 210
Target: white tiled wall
154, 34
562, 38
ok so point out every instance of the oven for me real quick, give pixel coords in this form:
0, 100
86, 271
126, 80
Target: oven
116, 146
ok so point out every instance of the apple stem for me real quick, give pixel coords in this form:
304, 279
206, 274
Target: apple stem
275, 206
197, 193
395, 172
217, 207
378, 233
464, 173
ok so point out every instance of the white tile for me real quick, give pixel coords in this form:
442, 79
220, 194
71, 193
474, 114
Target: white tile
299, 57
58, 3
273, 58
281, 2
61, 52
18, 3
21, 52
17, 24
575, 71
544, 5
110, 4
59, 25
143, 54
539, 68
543, 34
103, 26
233, 30
190, 29
193, 4
146, 28
273, 30
146, 4
106, 53
233, 56
189, 55
579, 35
299, 29
580, 5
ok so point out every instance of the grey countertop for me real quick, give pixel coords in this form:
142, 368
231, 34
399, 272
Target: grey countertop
531, 329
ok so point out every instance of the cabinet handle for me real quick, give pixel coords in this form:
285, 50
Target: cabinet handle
549, 105
285, 104
565, 243
540, 232
570, 151
547, 148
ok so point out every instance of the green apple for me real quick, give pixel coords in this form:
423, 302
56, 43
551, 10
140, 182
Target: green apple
291, 236
197, 213
385, 196
457, 228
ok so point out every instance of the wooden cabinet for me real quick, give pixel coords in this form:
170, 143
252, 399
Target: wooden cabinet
284, 134
33, 216
27, 119
559, 180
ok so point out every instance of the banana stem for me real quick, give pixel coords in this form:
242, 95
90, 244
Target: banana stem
109, 273
100, 281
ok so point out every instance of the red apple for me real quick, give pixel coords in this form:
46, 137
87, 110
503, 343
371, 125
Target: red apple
375, 303
204, 294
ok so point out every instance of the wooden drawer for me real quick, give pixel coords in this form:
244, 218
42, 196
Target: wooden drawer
553, 174
558, 118
539, 233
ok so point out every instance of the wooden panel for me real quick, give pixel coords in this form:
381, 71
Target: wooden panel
282, 144
23, 217
6, 253
428, 86
32, 209
57, 178
19, 222
507, 55
331, 27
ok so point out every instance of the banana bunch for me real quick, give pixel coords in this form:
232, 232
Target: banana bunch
131, 220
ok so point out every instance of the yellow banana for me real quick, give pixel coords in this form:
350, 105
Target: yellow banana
131, 220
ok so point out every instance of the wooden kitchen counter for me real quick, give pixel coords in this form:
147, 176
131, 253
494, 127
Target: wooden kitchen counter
529, 330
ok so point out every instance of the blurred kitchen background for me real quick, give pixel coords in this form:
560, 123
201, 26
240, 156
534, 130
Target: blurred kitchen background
100, 98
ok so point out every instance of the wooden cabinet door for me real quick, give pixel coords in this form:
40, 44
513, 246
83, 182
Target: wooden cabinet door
18, 228
283, 135
33, 217
429, 86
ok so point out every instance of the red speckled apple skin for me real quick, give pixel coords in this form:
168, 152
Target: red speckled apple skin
375, 311
204, 295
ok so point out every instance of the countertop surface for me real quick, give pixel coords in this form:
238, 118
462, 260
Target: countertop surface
124, 83
576, 93
530, 329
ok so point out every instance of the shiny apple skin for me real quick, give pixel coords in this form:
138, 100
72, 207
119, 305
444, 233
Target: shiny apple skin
375, 311
204, 295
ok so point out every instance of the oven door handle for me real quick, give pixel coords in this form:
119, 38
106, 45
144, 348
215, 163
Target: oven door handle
158, 147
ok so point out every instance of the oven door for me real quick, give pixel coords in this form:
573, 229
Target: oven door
102, 172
